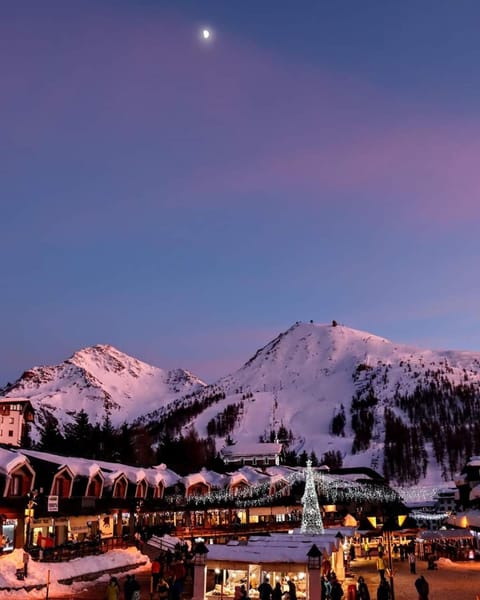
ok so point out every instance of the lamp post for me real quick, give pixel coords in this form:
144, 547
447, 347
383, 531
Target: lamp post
200, 552
314, 560
392, 524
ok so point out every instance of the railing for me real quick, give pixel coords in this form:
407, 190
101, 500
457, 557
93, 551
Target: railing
72, 550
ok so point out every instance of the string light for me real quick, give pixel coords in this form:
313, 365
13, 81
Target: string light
311, 517
330, 488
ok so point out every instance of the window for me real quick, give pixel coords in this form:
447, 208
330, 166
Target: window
16, 486
10, 433
11, 420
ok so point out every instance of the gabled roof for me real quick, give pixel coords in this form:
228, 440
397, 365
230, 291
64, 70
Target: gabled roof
251, 450
166, 475
209, 478
254, 476
10, 460
275, 548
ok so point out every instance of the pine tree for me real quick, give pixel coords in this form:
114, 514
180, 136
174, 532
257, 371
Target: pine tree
311, 517
51, 440
78, 435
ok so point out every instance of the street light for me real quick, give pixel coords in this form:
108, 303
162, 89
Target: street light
393, 523
200, 554
314, 558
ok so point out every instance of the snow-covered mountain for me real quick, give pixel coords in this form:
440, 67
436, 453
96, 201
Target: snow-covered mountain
411, 414
101, 379
378, 403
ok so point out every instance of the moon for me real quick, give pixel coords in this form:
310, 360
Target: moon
206, 35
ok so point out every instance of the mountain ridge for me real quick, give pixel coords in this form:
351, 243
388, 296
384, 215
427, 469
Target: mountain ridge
409, 413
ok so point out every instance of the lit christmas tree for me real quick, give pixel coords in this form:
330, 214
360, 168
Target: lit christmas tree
311, 517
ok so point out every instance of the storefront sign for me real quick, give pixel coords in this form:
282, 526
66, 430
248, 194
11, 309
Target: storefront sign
52, 504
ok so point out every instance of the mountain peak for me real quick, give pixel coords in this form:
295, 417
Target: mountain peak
101, 379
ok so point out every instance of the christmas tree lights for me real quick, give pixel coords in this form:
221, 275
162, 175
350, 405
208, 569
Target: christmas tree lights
311, 517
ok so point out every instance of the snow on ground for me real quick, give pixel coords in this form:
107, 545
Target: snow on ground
38, 572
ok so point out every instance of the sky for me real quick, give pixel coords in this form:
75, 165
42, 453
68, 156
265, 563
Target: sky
185, 200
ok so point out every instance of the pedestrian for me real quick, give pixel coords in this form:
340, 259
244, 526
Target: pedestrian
383, 590
336, 592
326, 588
422, 587
362, 590
366, 549
412, 561
277, 592
292, 590
135, 588
265, 590
351, 551
326, 567
113, 590
381, 566
25, 558
127, 588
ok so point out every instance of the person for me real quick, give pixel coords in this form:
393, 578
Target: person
277, 592
362, 589
292, 590
127, 588
383, 590
412, 561
352, 552
25, 558
326, 588
381, 566
265, 590
422, 587
326, 567
162, 589
113, 590
336, 592
135, 588
366, 549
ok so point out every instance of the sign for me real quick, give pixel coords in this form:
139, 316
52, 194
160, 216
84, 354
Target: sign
52, 504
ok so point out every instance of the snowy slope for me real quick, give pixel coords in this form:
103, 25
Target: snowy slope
302, 377
99, 379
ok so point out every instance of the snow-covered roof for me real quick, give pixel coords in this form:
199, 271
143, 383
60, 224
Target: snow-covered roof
276, 548
10, 460
247, 449
236, 478
163, 473
253, 476
11, 400
210, 478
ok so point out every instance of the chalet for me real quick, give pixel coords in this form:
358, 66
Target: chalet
253, 454
16, 414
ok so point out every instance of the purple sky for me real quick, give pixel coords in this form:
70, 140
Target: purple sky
186, 201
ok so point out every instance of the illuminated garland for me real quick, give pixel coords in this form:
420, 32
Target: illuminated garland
330, 488
418, 493
420, 516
